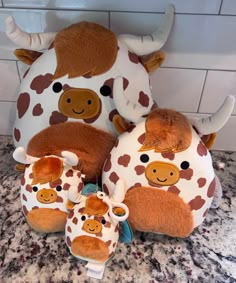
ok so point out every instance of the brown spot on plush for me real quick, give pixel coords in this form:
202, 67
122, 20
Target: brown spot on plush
116, 228
90, 247
41, 82
66, 187
201, 149
95, 206
172, 216
69, 173
167, 130
81, 210
23, 103
75, 220
69, 229
133, 57
26, 72
186, 174
201, 182
205, 212
139, 169
59, 199
68, 241
125, 83
196, 203
169, 155
114, 244
57, 118
108, 224
35, 207
24, 197
131, 127
75, 52
105, 189
71, 214
174, 190
28, 188
111, 254
143, 99
31, 176
80, 187
107, 165
136, 185
17, 134
55, 183
141, 138
25, 210
113, 177
22, 180
51, 46
108, 243
211, 188
124, 160
37, 110
47, 220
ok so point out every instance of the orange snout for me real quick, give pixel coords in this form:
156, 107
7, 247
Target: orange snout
92, 226
162, 173
46, 196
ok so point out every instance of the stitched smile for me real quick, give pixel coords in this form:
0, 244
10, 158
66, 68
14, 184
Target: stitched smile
161, 180
78, 112
92, 230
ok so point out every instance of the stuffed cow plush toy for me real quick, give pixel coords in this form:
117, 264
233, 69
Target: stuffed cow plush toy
66, 97
166, 170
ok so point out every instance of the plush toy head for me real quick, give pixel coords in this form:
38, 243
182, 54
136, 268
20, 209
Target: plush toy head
167, 171
44, 189
71, 85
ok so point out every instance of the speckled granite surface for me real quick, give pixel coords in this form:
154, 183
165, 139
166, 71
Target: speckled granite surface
208, 255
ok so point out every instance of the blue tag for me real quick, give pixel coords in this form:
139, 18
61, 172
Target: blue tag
89, 189
126, 233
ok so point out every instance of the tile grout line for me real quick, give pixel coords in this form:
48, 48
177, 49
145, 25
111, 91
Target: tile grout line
219, 13
203, 87
18, 71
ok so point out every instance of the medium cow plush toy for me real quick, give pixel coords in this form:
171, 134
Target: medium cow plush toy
44, 189
66, 97
166, 170
92, 227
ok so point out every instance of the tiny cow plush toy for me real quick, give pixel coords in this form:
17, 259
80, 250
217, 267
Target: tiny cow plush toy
167, 170
44, 189
92, 227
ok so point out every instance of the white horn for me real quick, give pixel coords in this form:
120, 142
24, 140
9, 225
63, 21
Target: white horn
126, 108
31, 41
70, 158
74, 196
20, 156
215, 122
143, 45
120, 191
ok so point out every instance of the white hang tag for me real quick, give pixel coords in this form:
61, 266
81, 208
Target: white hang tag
95, 270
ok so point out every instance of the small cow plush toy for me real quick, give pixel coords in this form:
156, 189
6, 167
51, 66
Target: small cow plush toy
167, 170
92, 227
66, 97
44, 189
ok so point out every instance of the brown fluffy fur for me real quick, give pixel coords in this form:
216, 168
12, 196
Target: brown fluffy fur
154, 210
84, 49
90, 247
167, 130
91, 145
95, 206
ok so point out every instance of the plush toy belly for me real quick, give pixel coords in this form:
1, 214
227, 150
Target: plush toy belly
47, 220
154, 210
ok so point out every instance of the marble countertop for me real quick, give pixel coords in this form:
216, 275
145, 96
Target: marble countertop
208, 255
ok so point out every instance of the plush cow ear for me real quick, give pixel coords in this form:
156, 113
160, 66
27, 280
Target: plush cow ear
152, 61
209, 140
27, 56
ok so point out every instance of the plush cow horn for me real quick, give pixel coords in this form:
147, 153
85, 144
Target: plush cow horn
70, 158
215, 122
20, 156
126, 108
142, 45
30, 41
119, 192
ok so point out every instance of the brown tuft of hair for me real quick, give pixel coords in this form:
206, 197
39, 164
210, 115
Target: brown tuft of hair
84, 49
167, 130
47, 169
95, 206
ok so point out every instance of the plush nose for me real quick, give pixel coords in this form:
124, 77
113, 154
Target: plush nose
162, 173
92, 226
46, 196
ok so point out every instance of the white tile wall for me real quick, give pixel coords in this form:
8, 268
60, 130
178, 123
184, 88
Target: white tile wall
200, 69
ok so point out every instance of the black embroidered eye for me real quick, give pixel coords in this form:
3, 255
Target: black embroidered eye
144, 158
83, 217
105, 90
103, 221
68, 100
184, 165
35, 189
154, 170
171, 173
58, 188
57, 87
89, 101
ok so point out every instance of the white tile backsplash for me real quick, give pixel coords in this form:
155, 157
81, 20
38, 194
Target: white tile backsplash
182, 6
218, 85
7, 117
228, 7
179, 89
9, 81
